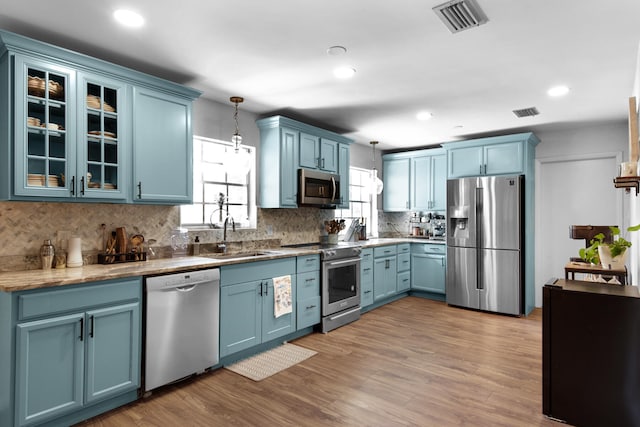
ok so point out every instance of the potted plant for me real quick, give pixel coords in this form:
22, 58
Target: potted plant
333, 227
611, 255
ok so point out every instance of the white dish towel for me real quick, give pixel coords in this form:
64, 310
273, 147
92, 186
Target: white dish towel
282, 303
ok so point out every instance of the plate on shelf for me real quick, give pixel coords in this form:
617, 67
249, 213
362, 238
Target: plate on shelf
101, 133
52, 126
33, 121
109, 186
35, 180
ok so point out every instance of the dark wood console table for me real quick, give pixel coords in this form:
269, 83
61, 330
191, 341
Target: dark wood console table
591, 353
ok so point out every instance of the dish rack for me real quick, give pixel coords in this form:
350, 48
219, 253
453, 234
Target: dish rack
116, 258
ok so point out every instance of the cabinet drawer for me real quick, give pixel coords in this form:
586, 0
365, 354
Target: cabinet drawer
308, 285
77, 298
404, 262
384, 251
366, 257
404, 248
404, 281
429, 248
366, 290
308, 312
308, 263
257, 270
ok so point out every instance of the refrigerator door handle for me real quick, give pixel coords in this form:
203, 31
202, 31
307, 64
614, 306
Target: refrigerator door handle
479, 224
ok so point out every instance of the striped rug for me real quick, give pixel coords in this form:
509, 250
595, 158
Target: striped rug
271, 362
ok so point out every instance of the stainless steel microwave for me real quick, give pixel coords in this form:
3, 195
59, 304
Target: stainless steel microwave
317, 188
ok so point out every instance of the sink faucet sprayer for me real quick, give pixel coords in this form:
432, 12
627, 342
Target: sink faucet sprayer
223, 245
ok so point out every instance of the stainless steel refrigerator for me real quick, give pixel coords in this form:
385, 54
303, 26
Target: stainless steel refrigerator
485, 268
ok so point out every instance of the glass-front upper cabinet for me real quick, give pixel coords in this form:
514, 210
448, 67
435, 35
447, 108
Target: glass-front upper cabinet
44, 127
101, 137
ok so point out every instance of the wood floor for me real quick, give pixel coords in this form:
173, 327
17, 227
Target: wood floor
412, 362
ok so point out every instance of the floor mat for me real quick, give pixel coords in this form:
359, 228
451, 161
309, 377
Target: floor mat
271, 362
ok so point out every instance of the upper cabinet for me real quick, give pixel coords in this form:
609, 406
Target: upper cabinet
415, 180
510, 154
74, 124
287, 145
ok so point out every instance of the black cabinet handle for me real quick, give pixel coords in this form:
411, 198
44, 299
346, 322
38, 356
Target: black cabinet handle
81, 329
366, 269
367, 292
309, 307
310, 280
139, 189
266, 288
91, 330
73, 185
82, 186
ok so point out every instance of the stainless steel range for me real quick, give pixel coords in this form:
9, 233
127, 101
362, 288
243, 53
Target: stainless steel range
340, 278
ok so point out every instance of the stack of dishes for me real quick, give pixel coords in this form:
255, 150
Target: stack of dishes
52, 126
32, 121
35, 180
94, 102
53, 181
55, 89
101, 133
109, 186
36, 86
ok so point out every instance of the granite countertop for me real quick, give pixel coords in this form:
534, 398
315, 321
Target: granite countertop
34, 279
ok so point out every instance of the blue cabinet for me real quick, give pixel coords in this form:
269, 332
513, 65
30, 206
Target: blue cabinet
385, 273
318, 153
415, 181
247, 304
366, 277
75, 347
308, 291
395, 175
428, 267
163, 148
403, 266
287, 145
74, 123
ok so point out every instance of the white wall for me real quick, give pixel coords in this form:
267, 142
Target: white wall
566, 143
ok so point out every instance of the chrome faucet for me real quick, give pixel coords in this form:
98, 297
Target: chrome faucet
223, 245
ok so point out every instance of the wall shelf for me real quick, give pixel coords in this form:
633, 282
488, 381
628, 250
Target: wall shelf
627, 182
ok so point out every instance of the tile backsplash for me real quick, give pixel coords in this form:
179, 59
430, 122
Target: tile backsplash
25, 225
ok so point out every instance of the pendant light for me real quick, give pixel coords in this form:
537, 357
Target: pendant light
237, 160
376, 183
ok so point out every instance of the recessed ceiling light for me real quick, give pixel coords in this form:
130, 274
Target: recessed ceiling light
558, 91
424, 115
336, 50
128, 18
344, 72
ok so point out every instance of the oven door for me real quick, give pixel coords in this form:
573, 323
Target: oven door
340, 285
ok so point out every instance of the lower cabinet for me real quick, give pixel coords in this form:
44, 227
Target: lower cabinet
75, 346
366, 277
384, 272
428, 267
247, 315
308, 291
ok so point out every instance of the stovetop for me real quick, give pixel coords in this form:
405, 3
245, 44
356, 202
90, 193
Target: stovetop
332, 251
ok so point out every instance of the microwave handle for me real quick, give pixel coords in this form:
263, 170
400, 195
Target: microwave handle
333, 196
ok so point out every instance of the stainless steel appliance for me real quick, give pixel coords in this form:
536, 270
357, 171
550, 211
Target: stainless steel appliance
340, 276
317, 188
182, 325
485, 254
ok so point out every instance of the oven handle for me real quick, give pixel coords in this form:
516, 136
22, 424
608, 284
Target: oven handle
342, 262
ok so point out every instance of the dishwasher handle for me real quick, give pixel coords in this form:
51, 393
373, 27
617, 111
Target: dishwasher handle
182, 286
186, 288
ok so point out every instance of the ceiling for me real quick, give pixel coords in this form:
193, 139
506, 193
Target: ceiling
274, 54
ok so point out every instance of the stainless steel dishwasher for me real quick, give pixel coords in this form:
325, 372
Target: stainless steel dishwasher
182, 325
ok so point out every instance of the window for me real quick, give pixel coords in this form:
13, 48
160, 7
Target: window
218, 192
361, 203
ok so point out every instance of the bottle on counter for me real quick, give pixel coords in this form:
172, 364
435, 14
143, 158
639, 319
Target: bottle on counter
47, 252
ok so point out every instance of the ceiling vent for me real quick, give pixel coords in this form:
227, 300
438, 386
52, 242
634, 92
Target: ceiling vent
526, 112
460, 15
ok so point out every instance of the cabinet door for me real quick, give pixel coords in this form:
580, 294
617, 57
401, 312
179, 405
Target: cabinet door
240, 317
504, 158
44, 124
396, 185
466, 161
49, 368
344, 172
162, 148
272, 326
420, 183
404, 281
366, 285
308, 312
309, 151
328, 155
288, 168
113, 351
428, 273
391, 278
439, 182
384, 277
102, 137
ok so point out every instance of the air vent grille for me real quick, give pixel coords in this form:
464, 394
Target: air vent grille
526, 112
460, 15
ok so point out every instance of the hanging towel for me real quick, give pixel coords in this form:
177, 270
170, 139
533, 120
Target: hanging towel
282, 303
